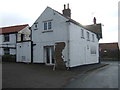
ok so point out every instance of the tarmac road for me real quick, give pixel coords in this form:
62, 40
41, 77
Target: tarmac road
105, 77
21, 75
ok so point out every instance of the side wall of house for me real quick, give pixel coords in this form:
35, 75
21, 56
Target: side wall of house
42, 38
23, 52
82, 51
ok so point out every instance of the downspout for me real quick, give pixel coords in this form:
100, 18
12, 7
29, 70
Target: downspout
31, 45
68, 43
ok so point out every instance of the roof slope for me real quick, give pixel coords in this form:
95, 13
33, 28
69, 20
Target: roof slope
96, 28
12, 29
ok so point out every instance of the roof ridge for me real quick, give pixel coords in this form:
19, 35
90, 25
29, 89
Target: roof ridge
12, 29
15, 26
98, 25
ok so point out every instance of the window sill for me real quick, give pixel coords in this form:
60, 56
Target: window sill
47, 31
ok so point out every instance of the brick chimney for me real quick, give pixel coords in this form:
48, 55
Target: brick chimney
67, 12
94, 20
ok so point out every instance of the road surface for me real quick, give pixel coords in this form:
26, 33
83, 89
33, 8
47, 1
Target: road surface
105, 77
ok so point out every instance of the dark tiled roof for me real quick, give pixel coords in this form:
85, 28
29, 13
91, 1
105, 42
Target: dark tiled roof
96, 28
12, 29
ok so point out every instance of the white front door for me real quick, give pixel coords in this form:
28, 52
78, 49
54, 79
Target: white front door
49, 55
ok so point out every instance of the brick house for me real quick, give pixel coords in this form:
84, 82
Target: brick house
109, 51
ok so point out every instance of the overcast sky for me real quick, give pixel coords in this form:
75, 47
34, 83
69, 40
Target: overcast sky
16, 12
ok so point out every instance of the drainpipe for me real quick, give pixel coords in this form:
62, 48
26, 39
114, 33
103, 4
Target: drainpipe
68, 43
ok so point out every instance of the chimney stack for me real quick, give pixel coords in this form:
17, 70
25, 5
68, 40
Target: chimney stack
67, 12
64, 6
94, 20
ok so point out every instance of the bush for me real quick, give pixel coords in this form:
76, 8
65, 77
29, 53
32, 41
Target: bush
9, 58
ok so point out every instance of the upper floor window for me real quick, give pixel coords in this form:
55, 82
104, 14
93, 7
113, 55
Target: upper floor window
48, 25
45, 25
82, 33
93, 37
6, 37
88, 36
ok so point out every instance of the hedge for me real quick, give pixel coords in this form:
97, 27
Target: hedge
8, 58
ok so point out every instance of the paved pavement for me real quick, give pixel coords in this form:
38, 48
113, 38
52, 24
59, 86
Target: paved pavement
20, 75
105, 77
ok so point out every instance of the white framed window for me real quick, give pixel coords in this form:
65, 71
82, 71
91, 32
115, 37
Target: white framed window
93, 37
49, 54
93, 50
88, 36
82, 33
48, 25
6, 38
45, 25
6, 51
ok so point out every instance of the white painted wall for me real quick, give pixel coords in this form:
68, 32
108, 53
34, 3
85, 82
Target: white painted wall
57, 34
26, 31
11, 43
80, 49
24, 52
1, 40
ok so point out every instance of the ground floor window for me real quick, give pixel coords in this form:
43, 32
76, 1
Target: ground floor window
6, 51
49, 54
93, 50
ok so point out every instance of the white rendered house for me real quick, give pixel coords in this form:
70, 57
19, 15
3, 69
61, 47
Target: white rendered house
8, 39
24, 45
58, 39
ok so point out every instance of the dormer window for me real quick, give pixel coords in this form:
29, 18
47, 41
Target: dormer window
82, 33
88, 36
48, 25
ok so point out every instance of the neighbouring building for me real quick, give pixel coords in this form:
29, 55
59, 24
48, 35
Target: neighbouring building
109, 51
8, 39
61, 41
24, 45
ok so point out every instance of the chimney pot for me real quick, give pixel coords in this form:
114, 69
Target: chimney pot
68, 5
64, 6
67, 12
94, 20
